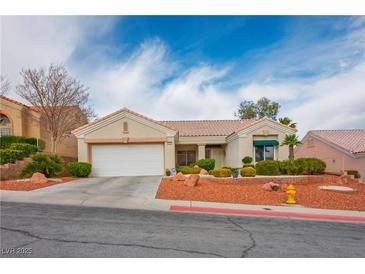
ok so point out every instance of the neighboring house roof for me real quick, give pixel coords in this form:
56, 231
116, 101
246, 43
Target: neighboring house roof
18, 103
208, 127
350, 140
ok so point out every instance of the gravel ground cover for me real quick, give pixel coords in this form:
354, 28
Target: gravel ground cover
26, 185
226, 191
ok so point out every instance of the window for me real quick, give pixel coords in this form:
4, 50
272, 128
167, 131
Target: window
186, 158
5, 129
264, 153
208, 153
4, 121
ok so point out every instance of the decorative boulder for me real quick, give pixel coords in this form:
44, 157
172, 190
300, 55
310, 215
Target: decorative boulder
203, 172
271, 186
267, 187
192, 180
38, 178
179, 177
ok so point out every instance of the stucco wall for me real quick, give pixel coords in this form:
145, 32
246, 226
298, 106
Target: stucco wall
115, 130
336, 161
232, 154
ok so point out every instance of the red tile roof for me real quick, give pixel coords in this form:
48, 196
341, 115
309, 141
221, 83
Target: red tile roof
208, 127
351, 140
18, 103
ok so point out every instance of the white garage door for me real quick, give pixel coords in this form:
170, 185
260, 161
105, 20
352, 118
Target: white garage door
127, 160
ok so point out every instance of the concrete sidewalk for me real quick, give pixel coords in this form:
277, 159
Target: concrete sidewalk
139, 193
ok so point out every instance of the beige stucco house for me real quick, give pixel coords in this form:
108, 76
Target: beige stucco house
128, 143
341, 149
21, 120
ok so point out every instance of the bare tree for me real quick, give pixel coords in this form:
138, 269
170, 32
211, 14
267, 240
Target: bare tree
62, 100
4, 85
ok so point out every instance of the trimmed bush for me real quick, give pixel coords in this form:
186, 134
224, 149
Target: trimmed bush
188, 170
221, 172
79, 169
10, 155
247, 160
248, 165
289, 167
310, 165
248, 172
167, 172
268, 167
50, 166
354, 172
6, 141
27, 148
207, 164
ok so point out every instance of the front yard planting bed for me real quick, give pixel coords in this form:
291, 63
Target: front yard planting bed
249, 191
26, 185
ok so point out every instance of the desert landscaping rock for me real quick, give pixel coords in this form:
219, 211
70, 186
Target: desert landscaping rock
38, 178
192, 180
179, 177
338, 188
204, 172
227, 191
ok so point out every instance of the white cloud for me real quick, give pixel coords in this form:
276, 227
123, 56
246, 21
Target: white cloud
37, 41
151, 80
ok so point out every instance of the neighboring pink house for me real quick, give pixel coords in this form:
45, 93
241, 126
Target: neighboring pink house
340, 149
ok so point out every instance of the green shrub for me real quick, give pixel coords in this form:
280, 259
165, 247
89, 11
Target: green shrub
248, 172
354, 172
188, 170
207, 164
10, 155
289, 167
221, 172
6, 141
27, 148
79, 169
247, 160
50, 166
268, 167
310, 165
248, 165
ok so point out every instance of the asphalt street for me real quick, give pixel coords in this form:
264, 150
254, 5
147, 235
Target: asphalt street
41, 230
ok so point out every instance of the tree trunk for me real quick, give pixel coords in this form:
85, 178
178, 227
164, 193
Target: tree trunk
291, 152
53, 145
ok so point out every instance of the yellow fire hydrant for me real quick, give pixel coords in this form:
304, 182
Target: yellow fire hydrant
291, 194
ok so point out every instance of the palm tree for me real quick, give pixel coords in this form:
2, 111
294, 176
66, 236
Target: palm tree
291, 140
287, 121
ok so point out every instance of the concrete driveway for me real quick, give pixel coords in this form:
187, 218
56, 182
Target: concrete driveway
121, 192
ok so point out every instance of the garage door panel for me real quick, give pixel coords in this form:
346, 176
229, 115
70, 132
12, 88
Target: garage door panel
127, 160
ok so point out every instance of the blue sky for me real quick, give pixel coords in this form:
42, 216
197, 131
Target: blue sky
201, 67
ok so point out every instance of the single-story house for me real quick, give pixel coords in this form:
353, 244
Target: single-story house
128, 143
341, 149
19, 119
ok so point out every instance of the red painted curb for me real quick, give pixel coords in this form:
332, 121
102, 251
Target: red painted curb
268, 213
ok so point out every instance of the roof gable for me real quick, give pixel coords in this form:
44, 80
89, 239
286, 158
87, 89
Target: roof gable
352, 141
256, 124
119, 114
